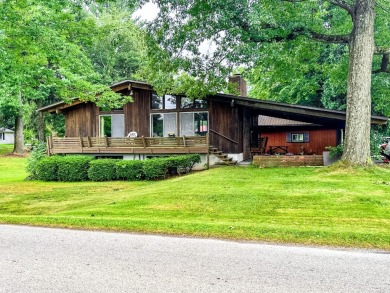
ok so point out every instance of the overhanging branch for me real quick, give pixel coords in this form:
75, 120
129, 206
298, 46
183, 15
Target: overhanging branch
344, 5
301, 31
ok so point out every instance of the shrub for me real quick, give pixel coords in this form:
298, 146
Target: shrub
102, 170
182, 164
47, 168
336, 152
37, 154
74, 168
155, 168
129, 170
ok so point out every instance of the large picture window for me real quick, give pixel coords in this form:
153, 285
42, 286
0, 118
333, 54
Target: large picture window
193, 123
163, 125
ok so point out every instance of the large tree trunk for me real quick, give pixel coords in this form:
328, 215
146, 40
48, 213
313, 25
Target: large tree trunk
19, 127
40, 123
357, 130
19, 136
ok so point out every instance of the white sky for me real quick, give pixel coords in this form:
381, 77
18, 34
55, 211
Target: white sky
147, 12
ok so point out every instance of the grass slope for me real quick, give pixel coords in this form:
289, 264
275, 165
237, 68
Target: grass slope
321, 206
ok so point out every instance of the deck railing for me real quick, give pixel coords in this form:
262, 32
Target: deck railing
127, 145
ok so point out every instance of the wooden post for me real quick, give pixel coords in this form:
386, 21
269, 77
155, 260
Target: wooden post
48, 151
89, 141
81, 143
184, 141
143, 141
105, 141
208, 151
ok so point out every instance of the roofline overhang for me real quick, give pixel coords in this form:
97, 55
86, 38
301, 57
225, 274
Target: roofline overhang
116, 87
279, 109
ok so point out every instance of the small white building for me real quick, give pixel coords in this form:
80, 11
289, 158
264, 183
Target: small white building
6, 136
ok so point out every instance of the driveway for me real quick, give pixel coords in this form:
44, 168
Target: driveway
59, 260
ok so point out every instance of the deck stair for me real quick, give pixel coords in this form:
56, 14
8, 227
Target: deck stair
225, 159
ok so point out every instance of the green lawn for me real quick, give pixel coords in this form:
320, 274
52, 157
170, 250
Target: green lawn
6, 148
349, 208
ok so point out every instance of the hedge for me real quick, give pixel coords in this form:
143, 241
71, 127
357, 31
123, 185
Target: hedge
129, 170
74, 168
155, 168
102, 170
82, 168
46, 168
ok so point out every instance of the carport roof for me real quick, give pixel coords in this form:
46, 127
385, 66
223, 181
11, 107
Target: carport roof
291, 112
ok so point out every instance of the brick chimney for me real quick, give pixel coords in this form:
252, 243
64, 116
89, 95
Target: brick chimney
240, 82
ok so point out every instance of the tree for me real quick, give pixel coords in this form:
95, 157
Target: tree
239, 29
118, 47
41, 47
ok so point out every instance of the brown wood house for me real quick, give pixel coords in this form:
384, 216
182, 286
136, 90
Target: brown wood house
226, 124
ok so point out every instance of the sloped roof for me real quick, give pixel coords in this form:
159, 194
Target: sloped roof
274, 121
6, 130
306, 114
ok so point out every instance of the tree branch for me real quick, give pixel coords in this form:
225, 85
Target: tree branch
301, 31
384, 64
344, 5
382, 50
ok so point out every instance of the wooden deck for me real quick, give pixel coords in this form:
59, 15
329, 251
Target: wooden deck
126, 145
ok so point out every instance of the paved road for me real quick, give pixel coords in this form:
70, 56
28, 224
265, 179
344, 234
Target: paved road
56, 260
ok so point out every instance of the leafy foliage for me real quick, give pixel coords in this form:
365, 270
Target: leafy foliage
43, 57
118, 48
37, 154
47, 168
102, 170
155, 168
129, 170
73, 168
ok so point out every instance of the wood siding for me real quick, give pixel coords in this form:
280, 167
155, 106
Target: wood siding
81, 120
319, 139
137, 113
225, 127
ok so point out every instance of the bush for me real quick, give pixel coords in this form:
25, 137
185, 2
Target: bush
74, 168
129, 170
182, 164
37, 154
47, 168
336, 152
102, 170
155, 168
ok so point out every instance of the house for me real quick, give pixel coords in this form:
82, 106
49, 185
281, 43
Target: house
6, 136
231, 126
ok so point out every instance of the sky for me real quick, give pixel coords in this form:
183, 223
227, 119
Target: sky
147, 12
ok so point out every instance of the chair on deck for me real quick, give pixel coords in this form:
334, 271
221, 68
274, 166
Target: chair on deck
262, 145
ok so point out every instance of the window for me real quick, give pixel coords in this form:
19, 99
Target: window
167, 102
193, 123
112, 125
297, 137
187, 103
163, 124
2, 136
105, 126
